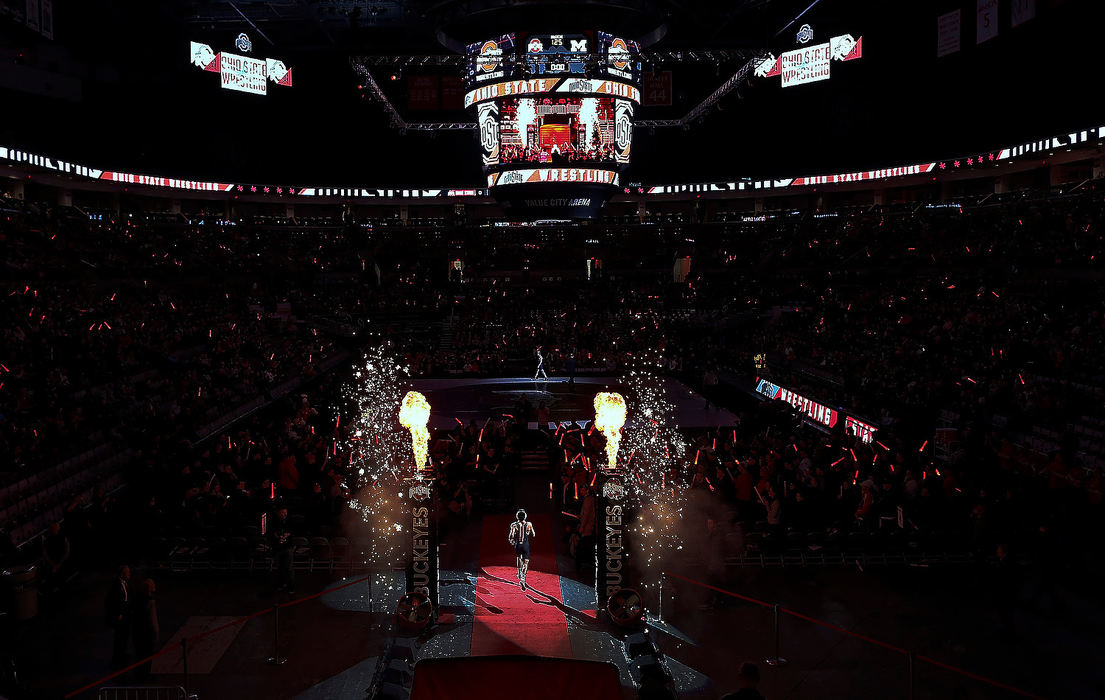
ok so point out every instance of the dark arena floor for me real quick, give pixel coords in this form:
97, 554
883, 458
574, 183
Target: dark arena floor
846, 630
333, 643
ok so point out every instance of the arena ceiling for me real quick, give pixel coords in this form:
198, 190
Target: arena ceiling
142, 107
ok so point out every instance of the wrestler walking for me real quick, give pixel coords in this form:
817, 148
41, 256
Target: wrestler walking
521, 532
540, 366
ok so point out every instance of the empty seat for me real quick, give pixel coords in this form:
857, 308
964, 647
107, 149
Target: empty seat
340, 550
320, 552
301, 550
239, 548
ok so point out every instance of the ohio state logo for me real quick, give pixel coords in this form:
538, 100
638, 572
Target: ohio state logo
535, 45
420, 492
490, 55
619, 54
623, 129
489, 132
613, 490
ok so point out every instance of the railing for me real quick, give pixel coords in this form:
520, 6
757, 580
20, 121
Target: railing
142, 693
877, 655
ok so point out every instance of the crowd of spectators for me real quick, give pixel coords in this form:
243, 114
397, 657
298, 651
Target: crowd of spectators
983, 321
104, 346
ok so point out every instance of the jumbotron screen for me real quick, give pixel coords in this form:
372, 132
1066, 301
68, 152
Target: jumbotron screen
555, 115
560, 130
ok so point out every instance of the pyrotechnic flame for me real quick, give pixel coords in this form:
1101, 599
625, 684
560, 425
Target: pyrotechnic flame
414, 414
610, 411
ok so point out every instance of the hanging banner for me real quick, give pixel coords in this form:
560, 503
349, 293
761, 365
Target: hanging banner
948, 32
812, 63
423, 92
47, 23
452, 93
1020, 11
656, 89
240, 73
986, 16
33, 15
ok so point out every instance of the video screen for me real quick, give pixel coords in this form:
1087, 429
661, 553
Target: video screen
490, 61
559, 130
620, 57
556, 54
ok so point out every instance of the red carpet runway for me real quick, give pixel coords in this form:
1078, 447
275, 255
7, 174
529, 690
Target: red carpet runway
508, 620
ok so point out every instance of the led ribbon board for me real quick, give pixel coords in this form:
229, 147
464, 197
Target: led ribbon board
240, 73
817, 412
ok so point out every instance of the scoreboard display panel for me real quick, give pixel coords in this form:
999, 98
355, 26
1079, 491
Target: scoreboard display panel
557, 54
555, 115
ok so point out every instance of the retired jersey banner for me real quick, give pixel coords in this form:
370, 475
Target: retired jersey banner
452, 93
1020, 11
986, 20
656, 89
948, 31
423, 92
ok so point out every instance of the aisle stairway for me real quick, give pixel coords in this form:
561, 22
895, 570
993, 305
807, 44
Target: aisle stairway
534, 460
448, 334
